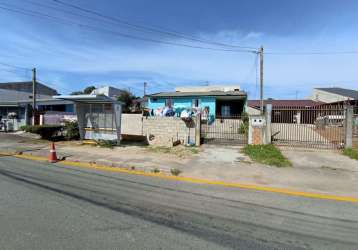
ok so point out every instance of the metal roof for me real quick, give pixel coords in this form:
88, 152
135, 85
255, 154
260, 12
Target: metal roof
27, 87
351, 93
208, 93
87, 98
13, 96
284, 103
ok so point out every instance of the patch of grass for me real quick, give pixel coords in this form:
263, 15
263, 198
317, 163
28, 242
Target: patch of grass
352, 153
179, 151
175, 171
266, 154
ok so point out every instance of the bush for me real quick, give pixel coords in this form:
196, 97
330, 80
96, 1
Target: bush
72, 130
175, 171
46, 132
267, 154
244, 126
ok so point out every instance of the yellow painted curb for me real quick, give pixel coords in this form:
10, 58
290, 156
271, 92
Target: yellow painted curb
194, 180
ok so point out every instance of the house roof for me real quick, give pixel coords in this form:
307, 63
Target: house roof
351, 93
208, 93
27, 87
284, 103
16, 97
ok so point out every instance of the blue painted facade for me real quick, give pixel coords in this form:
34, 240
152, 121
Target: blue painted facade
217, 107
181, 103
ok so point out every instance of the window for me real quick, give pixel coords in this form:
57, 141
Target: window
169, 102
196, 103
225, 111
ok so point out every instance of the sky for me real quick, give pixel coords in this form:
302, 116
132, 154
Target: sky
70, 57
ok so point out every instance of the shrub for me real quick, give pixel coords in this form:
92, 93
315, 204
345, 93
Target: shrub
175, 171
244, 126
46, 132
72, 130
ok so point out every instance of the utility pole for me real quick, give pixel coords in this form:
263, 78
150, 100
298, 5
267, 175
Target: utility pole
34, 88
261, 52
145, 88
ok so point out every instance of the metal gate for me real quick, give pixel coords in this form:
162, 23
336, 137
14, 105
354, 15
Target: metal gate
315, 127
227, 130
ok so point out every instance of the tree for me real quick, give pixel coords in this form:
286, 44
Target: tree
127, 98
88, 90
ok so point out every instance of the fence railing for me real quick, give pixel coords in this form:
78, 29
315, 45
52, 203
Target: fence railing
320, 126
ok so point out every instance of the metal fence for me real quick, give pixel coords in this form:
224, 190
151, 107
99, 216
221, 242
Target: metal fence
320, 126
355, 124
228, 130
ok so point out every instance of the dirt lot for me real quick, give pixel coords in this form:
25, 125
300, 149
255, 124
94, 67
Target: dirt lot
313, 170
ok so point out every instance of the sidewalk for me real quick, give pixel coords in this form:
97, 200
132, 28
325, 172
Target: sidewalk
324, 171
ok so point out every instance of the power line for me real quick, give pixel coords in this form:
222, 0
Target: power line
13, 66
312, 53
151, 28
94, 28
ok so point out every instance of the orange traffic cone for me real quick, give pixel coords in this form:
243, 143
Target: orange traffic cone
52, 157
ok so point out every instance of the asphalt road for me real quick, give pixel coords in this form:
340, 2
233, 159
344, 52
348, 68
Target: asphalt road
45, 206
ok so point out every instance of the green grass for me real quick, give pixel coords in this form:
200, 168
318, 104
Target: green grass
352, 153
267, 154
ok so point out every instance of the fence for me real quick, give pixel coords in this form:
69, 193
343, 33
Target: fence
228, 130
318, 127
355, 124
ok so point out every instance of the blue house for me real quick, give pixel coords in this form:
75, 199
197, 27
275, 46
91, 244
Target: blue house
218, 102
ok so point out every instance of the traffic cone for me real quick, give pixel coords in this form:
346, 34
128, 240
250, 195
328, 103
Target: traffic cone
52, 157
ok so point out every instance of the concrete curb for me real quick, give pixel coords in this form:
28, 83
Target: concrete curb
163, 175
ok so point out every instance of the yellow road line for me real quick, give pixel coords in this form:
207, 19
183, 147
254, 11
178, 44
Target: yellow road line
195, 180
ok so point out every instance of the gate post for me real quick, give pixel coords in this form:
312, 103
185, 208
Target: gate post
349, 126
197, 130
268, 113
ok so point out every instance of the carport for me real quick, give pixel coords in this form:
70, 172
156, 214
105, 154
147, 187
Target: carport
99, 116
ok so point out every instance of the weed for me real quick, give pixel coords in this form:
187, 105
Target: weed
175, 171
106, 144
180, 150
267, 154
